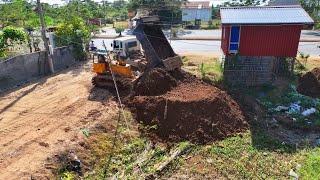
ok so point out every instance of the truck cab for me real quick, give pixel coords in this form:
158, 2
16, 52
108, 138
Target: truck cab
125, 45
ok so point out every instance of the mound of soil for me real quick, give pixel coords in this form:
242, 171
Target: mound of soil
192, 111
154, 82
309, 84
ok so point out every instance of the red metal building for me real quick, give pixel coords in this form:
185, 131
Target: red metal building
263, 31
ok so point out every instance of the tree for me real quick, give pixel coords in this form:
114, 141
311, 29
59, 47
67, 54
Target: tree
73, 32
168, 10
244, 2
119, 30
154, 5
312, 7
15, 13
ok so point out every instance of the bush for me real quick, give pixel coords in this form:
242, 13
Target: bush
9, 37
73, 32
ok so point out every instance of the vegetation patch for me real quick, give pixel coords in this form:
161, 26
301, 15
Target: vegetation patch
310, 169
290, 103
209, 69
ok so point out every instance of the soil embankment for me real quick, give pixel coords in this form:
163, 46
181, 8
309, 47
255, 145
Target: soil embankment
183, 107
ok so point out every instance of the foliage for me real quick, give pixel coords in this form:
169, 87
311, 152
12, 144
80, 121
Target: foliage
304, 57
252, 155
15, 13
311, 167
21, 13
313, 8
119, 30
9, 37
73, 32
14, 34
244, 3
215, 24
211, 72
154, 5
67, 176
272, 98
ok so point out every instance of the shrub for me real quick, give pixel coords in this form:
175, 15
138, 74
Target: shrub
9, 37
73, 32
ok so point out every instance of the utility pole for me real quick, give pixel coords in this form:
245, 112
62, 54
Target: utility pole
44, 38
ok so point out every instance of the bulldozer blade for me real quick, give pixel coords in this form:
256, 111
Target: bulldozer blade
106, 81
102, 82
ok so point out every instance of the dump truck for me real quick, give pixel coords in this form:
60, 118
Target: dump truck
157, 52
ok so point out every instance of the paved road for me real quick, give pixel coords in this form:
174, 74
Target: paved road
305, 34
192, 46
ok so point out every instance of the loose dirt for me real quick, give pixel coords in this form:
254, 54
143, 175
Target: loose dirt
42, 119
192, 110
309, 84
153, 83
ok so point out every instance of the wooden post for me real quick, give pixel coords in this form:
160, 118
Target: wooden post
44, 38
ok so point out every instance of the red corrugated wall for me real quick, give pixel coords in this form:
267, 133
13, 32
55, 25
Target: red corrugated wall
279, 41
225, 39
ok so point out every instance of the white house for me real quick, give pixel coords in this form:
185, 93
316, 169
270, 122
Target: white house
197, 11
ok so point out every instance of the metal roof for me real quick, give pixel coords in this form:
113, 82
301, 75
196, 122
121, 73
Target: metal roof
265, 15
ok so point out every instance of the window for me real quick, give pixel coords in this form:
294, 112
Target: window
115, 45
234, 39
132, 44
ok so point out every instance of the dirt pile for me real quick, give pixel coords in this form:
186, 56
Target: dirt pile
309, 84
154, 82
192, 111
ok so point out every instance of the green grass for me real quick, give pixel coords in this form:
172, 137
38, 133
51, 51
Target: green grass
207, 68
211, 71
238, 157
256, 156
310, 169
214, 25
123, 163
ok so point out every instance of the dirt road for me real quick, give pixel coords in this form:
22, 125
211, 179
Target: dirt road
46, 117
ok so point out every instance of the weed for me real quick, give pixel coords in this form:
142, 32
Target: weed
311, 167
68, 176
85, 132
211, 72
241, 157
304, 57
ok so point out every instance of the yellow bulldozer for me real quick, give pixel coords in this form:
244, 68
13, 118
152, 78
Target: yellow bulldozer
127, 61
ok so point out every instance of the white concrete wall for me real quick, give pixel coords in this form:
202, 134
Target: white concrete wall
192, 14
22, 68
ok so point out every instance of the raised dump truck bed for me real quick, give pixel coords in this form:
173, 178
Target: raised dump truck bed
157, 49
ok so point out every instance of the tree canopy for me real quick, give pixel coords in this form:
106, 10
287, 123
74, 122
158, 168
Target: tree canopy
21, 13
155, 4
244, 3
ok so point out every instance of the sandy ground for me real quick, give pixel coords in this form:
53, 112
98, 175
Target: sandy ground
46, 117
